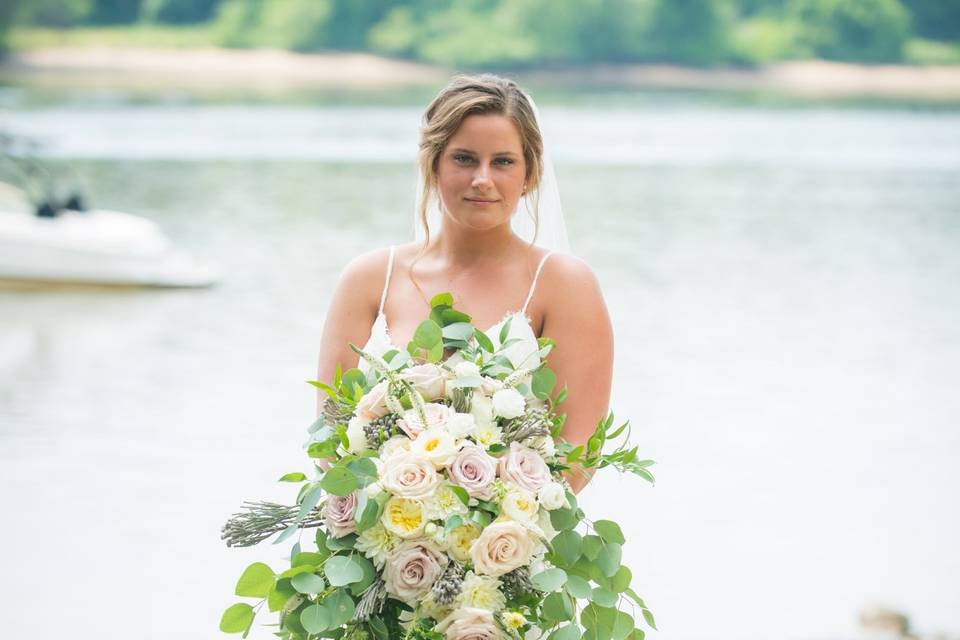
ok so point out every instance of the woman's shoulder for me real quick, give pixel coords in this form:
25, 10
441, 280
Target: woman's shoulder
565, 277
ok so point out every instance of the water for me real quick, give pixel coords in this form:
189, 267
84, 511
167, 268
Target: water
783, 288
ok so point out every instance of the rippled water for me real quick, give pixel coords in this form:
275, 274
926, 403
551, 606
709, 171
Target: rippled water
784, 290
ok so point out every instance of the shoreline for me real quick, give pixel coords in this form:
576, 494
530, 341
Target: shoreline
218, 68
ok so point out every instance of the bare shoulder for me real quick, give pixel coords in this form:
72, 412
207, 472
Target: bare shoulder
566, 277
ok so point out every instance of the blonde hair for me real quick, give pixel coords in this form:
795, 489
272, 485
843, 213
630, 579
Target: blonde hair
467, 95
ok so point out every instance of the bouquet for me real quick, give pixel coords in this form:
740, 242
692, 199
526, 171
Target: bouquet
439, 506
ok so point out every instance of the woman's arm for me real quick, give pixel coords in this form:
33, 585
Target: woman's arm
576, 318
350, 315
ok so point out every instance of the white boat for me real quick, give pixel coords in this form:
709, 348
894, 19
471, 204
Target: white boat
96, 247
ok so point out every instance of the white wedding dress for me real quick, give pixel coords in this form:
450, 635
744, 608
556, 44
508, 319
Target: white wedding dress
523, 354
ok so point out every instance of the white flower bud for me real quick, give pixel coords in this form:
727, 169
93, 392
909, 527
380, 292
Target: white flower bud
508, 403
466, 370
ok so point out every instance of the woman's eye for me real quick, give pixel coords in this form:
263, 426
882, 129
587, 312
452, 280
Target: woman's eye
506, 161
462, 158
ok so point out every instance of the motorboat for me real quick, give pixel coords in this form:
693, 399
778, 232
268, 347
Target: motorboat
70, 244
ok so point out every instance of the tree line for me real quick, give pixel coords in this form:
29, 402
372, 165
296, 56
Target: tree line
525, 33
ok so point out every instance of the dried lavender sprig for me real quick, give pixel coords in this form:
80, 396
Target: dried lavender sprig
261, 520
372, 601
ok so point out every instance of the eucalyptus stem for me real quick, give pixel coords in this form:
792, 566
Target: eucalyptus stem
261, 520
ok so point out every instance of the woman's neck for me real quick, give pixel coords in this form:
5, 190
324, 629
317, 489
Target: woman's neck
457, 246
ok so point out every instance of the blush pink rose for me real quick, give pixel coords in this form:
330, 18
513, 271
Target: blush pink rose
501, 548
373, 404
469, 623
409, 475
338, 514
474, 470
428, 379
412, 568
524, 467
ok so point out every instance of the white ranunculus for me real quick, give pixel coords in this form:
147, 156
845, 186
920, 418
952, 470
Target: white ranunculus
428, 379
502, 547
356, 436
460, 425
520, 504
469, 624
466, 370
481, 408
409, 475
437, 445
552, 496
508, 403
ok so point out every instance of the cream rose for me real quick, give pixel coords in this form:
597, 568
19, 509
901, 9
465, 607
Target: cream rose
428, 379
409, 475
373, 404
338, 514
474, 470
437, 416
412, 568
469, 624
524, 467
502, 547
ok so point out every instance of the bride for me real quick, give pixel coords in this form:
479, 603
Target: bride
481, 155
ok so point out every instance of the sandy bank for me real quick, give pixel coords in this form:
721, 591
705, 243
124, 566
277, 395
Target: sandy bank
271, 68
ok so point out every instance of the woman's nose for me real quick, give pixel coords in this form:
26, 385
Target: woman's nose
481, 175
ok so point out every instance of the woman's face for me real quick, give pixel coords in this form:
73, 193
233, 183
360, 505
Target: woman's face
481, 172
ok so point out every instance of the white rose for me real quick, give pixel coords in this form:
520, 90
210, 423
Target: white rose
508, 403
356, 436
520, 504
428, 379
501, 548
409, 475
436, 445
466, 370
552, 496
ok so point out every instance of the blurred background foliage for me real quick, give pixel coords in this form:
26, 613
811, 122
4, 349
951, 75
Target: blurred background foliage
513, 33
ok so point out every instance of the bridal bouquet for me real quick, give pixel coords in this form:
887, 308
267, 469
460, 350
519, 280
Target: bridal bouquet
440, 508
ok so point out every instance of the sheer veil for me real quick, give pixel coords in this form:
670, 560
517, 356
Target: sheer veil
551, 233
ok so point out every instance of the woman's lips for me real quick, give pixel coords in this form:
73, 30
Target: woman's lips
480, 203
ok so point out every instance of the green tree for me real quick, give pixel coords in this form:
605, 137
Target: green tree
854, 30
937, 19
691, 31
53, 13
178, 11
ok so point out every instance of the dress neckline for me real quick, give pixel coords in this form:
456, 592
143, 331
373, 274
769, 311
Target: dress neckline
382, 317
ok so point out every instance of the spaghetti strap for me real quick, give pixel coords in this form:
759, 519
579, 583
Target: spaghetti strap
386, 282
533, 285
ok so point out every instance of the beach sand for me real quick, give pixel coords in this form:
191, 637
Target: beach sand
273, 69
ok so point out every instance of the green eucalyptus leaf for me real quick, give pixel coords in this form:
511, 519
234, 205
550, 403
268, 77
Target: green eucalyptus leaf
339, 481
295, 476
566, 632
452, 316
648, 616
622, 626
341, 607
255, 581
549, 580
578, 587
544, 380
608, 560
308, 558
620, 581
458, 331
237, 618
609, 531
363, 467
591, 546
557, 607
566, 546
342, 570
484, 341
563, 519
307, 583
603, 597
442, 299
341, 544
369, 574
379, 628
427, 335
310, 500
505, 330
315, 618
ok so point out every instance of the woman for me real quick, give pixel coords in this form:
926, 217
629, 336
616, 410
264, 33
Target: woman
481, 151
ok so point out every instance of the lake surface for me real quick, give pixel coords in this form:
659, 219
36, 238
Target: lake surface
784, 284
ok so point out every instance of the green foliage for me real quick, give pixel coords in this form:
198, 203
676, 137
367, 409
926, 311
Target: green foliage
856, 30
935, 19
176, 11
237, 618
54, 13
255, 582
